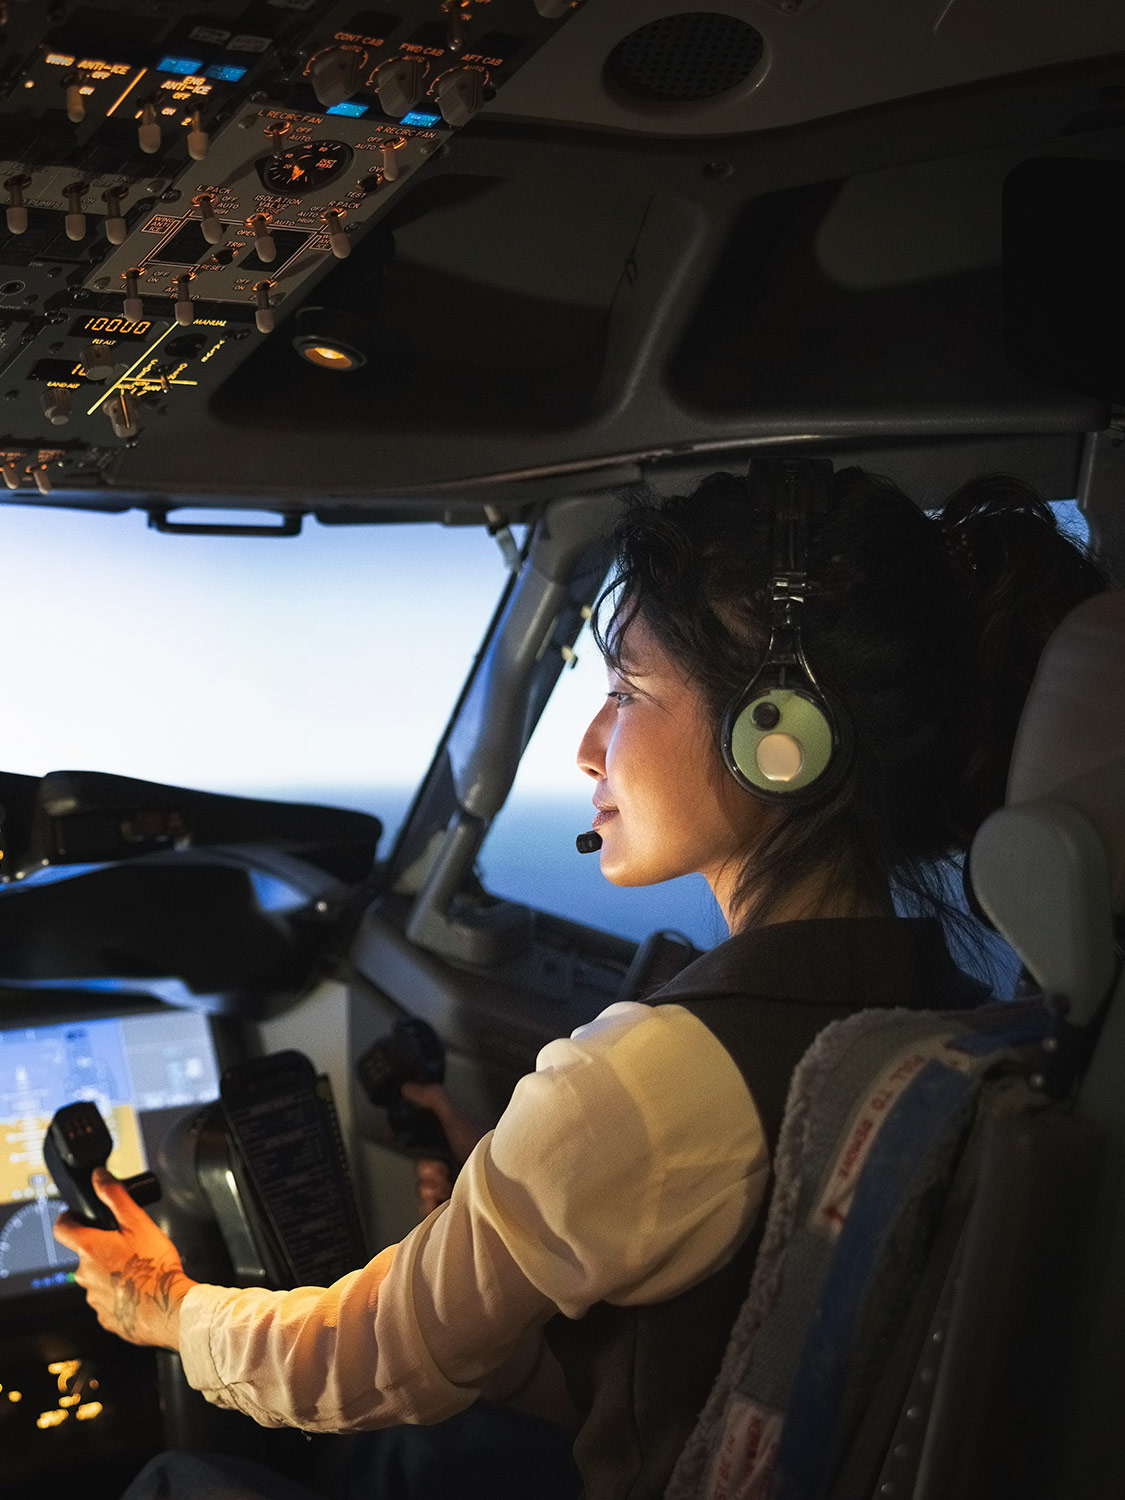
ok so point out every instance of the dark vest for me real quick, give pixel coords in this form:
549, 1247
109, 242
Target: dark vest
639, 1376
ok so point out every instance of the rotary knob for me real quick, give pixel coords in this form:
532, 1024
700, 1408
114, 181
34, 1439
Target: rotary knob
335, 74
57, 400
121, 409
459, 94
399, 85
97, 361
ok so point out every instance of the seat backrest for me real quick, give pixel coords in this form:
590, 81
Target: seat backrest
861, 1226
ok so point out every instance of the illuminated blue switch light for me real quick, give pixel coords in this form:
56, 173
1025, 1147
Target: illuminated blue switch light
420, 117
224, 72
179, 65
349, 107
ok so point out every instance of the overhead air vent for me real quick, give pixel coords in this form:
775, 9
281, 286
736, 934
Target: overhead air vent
683, 58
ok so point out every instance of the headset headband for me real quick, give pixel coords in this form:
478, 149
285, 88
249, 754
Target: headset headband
794, 490
783, 734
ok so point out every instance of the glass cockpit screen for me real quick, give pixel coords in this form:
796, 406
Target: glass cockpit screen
142, 1071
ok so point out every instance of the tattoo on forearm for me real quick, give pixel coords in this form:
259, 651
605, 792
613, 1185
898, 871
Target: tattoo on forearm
141, 1280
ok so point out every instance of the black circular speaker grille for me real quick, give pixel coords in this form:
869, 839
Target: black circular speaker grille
695, 55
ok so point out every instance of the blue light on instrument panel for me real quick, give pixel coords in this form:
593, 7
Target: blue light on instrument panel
419, 117
224, 72
181, 65
349, 107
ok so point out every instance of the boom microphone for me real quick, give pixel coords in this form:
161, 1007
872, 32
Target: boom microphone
587, 843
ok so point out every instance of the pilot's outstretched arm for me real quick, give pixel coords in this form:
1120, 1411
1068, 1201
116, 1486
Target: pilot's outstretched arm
626, 1168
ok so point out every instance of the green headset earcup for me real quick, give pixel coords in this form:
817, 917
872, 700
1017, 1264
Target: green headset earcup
778, 742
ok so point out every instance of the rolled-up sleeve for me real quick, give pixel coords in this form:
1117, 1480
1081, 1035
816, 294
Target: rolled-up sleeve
626, 1168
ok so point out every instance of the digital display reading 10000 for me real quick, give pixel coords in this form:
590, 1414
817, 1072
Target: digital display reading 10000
105, 326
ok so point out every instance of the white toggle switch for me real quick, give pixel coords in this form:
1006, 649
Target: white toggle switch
132, 306
263, 317
338, 241
198, 141
389, 151
16, 211
263, 239
42, 479
115, 227
148, 129
76, 214
185, 307
212, 229
75, 103
459, 95
11, 475
454, 24
276, 131
399, 84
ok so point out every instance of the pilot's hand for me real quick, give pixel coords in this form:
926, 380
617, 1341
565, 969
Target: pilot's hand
133, 1276
461, 1130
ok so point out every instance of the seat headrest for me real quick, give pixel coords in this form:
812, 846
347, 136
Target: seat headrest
1048, 868
1070, 746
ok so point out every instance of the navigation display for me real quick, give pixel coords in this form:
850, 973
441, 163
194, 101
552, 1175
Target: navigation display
141, 1071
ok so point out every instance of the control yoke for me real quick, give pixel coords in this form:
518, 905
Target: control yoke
76, 1142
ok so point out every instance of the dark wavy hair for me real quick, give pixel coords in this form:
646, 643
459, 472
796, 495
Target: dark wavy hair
926, 631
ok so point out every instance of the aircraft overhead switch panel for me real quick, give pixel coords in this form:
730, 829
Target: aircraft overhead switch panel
174, 185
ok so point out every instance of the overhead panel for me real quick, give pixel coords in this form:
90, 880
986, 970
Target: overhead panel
427, 248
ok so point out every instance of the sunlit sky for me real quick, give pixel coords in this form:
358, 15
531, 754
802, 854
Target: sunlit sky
327, 660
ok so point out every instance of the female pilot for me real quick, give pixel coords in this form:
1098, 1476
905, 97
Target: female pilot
605, 1229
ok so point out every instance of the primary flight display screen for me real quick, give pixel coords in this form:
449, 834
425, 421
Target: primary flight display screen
142, 1071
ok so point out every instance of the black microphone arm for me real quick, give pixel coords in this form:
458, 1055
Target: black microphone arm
588, 843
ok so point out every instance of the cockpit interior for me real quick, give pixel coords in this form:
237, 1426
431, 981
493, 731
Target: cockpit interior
449, 267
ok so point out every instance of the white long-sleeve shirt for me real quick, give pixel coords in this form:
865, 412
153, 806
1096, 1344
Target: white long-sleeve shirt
629, 1166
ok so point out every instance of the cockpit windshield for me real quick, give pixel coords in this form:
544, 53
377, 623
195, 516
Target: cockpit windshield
317, 668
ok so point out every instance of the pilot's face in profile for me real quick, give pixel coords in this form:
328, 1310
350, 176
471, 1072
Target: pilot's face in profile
666, 806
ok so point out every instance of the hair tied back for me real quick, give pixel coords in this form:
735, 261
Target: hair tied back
996, 523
